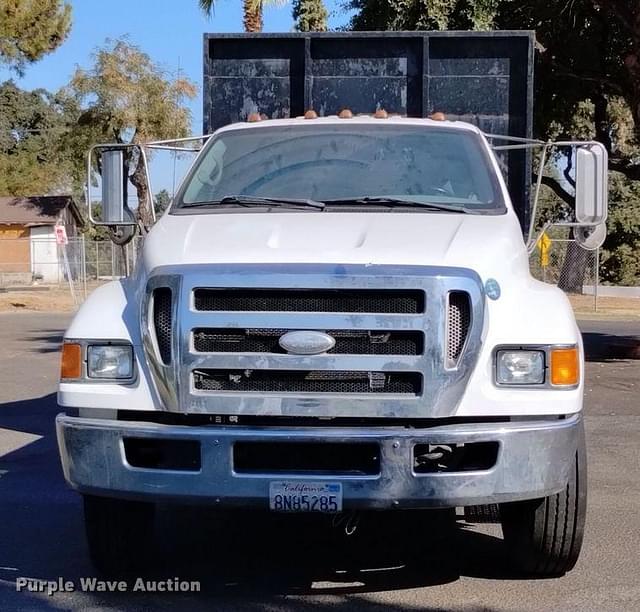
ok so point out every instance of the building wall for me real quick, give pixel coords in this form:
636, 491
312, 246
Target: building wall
15, 248
46, 266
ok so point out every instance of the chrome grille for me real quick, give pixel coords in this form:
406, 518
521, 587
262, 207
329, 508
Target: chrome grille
348, 342
162, 322
397, 329
458, 322
315, 381
310, 300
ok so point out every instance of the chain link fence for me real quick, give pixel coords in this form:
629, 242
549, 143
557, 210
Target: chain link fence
559, 260
26, 262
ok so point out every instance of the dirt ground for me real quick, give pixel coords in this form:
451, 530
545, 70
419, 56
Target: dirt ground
606, 306
43, 299
59, 299
53, 300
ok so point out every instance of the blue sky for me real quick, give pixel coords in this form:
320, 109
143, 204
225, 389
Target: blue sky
170, 31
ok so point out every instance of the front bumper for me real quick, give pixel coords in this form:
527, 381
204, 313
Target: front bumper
534, 460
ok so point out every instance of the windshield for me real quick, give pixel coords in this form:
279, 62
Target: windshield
344, 164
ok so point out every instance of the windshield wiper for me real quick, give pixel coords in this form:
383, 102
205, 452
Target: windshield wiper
399, 202
242, 200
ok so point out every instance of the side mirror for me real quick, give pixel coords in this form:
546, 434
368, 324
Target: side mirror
116, 214
592, 167
114, 176
111, 163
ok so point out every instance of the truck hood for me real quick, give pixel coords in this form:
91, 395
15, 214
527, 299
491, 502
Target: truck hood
481, 242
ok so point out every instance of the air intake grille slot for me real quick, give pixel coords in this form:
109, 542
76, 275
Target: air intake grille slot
315, 381
162, 322
348, 342
373, 301
319, 458
458, 322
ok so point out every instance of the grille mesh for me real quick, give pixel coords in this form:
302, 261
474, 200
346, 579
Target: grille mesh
315, 381
162, 322
348, 342
458, 322
374, 301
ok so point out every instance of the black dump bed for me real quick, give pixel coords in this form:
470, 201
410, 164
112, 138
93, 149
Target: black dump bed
485, 78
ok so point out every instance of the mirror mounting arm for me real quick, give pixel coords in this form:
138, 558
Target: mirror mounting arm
591, 183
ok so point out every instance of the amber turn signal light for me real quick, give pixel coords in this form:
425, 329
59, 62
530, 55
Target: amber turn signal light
565, 366
71, 362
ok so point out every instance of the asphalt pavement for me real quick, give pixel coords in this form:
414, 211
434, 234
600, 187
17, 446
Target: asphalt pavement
246, 561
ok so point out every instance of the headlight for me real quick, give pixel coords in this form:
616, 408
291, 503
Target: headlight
515, 367
110, 362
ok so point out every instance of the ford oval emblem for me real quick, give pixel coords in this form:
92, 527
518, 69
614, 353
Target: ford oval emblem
306, 342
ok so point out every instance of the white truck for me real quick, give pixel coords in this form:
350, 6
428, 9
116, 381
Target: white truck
335, 314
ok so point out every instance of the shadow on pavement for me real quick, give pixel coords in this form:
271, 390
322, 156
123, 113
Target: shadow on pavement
244, 560
609, 347
46, 341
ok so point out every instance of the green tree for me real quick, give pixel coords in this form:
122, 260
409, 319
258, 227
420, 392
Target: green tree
161, 201
30, 29
588, 86
95, 232
309, 15
620, 257
423, 14
251, 11
126, 98
34, 126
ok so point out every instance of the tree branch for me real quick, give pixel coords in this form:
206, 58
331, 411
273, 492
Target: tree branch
556, 187
623, 14
562, 72
625, 166
568, 168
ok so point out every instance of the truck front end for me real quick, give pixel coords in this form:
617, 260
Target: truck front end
334, 315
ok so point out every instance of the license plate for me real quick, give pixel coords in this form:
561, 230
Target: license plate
291, 496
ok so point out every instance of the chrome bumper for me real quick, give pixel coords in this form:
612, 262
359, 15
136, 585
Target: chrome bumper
534, 460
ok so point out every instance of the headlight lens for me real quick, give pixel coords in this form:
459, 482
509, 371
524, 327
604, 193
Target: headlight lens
114, 362
520, 367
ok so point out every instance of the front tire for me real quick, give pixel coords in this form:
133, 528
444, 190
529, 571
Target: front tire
119, 533
544, 536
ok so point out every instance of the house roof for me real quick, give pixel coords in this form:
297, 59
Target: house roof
36, 210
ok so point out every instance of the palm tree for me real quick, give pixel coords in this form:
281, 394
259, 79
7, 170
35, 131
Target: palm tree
252, 18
